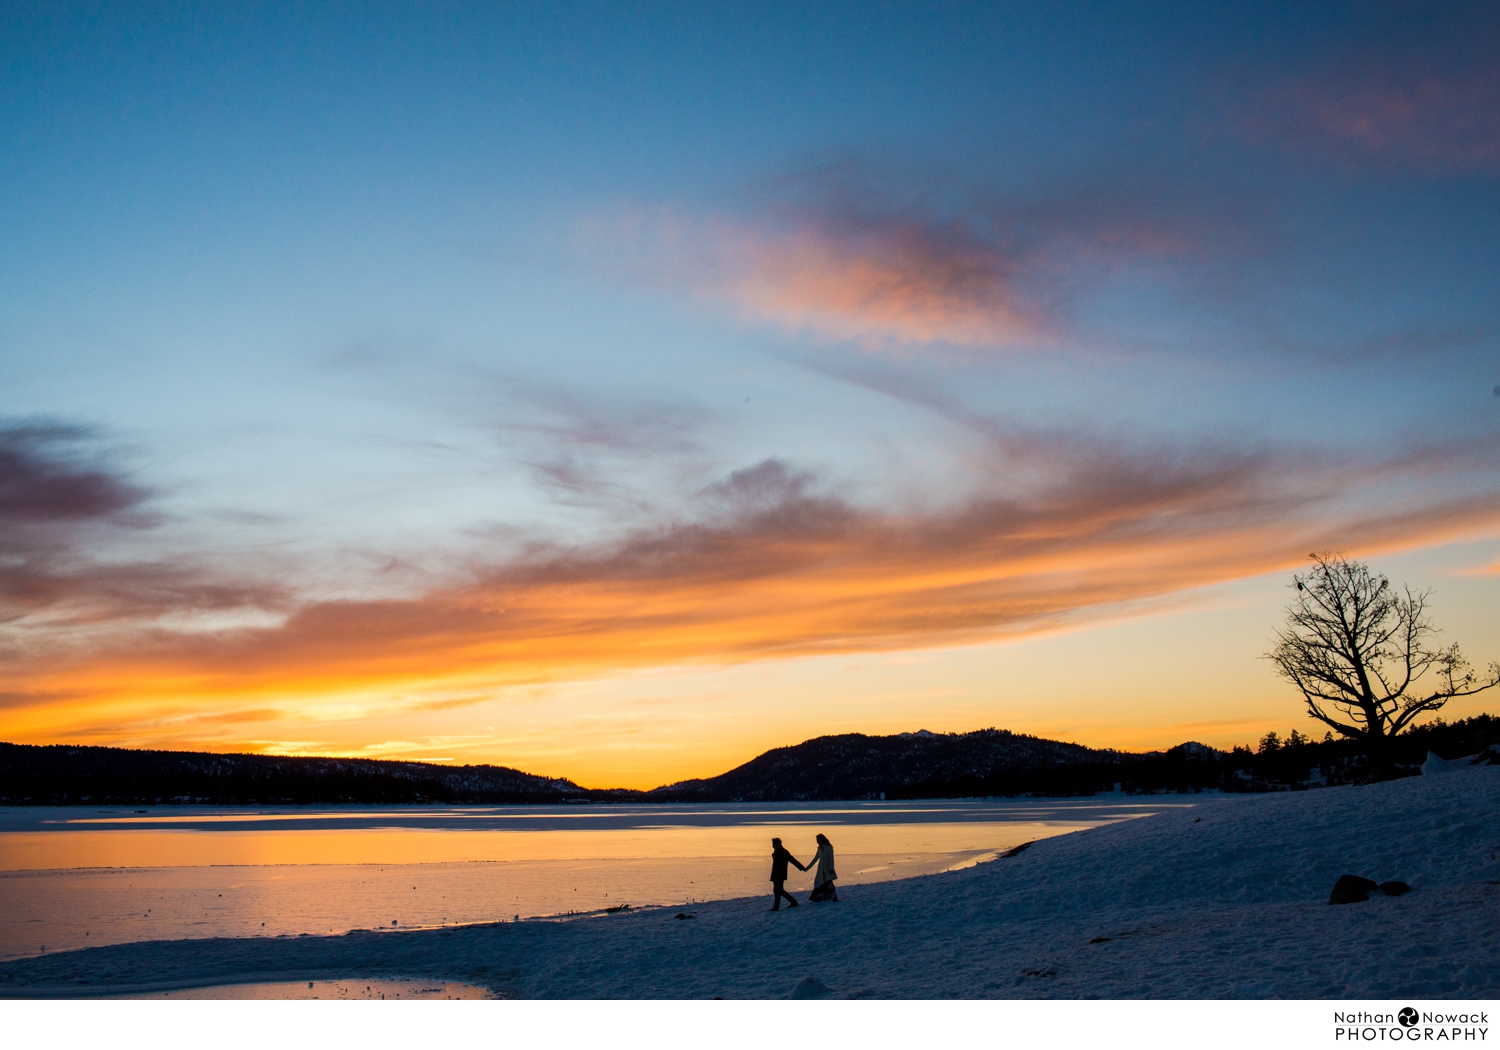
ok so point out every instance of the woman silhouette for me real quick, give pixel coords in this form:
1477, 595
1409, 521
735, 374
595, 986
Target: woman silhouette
823, 888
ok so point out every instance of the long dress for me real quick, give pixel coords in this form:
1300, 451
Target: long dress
824, 876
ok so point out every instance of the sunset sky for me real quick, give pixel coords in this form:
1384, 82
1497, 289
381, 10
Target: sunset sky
618, 391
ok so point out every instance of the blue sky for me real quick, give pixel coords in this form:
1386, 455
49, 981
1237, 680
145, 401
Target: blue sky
886, 330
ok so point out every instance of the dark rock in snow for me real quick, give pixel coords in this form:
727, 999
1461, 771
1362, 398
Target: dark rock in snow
1351, 889
811, 988
1394, 888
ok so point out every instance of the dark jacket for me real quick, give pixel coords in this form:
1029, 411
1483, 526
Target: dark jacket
779, 859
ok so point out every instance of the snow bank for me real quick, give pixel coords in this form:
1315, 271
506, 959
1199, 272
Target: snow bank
1436, 764
1225, 899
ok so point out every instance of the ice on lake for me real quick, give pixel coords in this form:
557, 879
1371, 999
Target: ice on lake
353, 988
76, 877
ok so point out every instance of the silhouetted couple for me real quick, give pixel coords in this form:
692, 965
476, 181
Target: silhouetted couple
823, 889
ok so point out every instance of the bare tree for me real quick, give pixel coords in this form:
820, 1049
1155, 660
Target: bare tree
1356, 648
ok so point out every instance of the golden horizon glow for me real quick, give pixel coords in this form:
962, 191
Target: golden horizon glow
191, 704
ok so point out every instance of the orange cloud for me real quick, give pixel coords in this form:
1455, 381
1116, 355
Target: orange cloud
899, 283
1487, 570
851, 264
776, 570
908, 283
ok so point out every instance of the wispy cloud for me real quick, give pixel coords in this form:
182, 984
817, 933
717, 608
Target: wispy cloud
577, 446
773, 565
908, 281
1420, 92
855, 253
45, 478
1492, 569
60, 499
1429, 122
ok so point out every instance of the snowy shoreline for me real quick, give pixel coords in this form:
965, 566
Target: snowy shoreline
1226, 899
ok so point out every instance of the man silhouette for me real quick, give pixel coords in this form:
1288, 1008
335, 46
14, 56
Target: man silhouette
780, 858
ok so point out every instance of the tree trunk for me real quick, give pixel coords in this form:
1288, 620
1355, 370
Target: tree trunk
1378, 748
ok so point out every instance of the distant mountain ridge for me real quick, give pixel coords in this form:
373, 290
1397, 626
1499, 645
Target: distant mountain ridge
846, 766
856, 766
60, 774
828, 768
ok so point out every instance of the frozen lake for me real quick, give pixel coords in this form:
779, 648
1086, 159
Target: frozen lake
74, 877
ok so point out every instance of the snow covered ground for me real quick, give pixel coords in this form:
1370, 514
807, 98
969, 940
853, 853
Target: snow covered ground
1226, 899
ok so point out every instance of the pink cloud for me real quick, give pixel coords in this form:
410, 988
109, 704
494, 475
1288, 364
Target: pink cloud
902, 281
899, 282
853, 265
1434, 121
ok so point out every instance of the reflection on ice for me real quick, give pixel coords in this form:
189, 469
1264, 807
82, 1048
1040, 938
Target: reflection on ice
354, 988
570, 817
